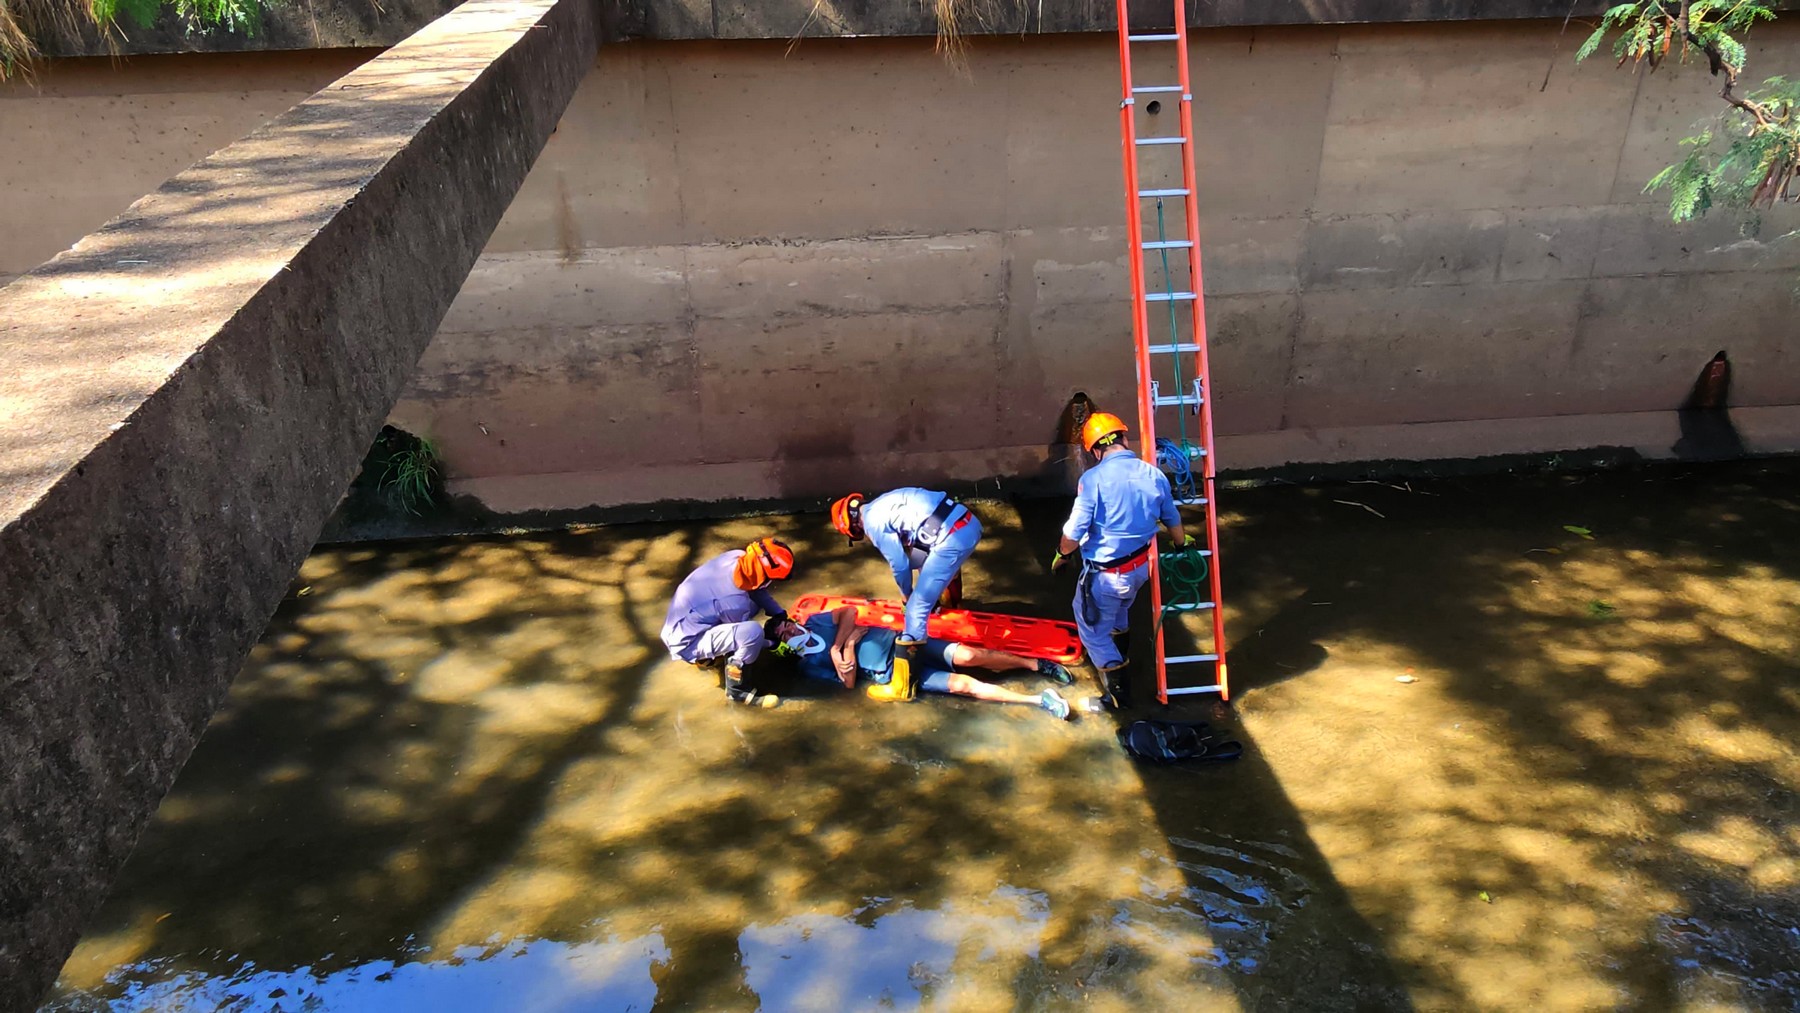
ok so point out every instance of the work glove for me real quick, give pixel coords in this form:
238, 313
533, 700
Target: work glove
1058, 562
1188, 542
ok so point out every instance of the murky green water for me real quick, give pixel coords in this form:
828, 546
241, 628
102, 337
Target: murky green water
464, 776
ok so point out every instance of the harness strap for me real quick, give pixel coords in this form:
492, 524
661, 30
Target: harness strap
933, 529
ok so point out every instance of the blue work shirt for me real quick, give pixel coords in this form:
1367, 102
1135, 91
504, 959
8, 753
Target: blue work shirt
891, 521
709, 598
1117, 507
874, 652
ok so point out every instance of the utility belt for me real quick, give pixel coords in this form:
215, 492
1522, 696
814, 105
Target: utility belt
1090, 610
1127, 562
933, 530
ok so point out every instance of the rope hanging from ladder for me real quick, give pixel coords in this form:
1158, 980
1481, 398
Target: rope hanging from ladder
1184, 575
1175, 457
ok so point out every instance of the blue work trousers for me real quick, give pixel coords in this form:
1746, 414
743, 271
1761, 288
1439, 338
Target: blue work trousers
941, 564
738, 643
1103, 607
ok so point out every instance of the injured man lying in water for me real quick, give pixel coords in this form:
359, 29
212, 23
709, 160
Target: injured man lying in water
832, 647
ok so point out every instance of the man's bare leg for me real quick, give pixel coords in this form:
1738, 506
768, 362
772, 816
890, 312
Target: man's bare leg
964, 656
968, 685
989, 660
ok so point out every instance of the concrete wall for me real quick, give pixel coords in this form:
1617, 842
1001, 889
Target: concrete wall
741, 271
744, 272
85, 138
186, 393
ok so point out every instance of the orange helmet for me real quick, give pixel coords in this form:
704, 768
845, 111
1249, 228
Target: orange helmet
846, 516
1098, 427
763, 560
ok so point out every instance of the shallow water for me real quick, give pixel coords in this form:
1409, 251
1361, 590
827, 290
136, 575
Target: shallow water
463, 775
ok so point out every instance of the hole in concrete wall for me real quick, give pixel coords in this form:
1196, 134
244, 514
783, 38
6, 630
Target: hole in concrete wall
399, 489
1074, 416
1154, 107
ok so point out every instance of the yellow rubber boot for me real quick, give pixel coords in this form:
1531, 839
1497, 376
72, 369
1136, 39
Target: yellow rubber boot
900, 687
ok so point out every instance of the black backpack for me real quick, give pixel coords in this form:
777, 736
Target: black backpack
1175, 741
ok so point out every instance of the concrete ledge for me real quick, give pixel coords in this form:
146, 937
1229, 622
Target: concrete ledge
330, 24
186, 394
683, 491
1653, 436
786, 19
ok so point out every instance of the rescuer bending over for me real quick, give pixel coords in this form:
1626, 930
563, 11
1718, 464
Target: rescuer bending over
910, 527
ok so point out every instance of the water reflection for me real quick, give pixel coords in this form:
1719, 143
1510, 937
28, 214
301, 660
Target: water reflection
539, 976
889, 954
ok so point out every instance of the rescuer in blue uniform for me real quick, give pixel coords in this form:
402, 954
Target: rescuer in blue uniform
912, 528
713, 613
1118, 505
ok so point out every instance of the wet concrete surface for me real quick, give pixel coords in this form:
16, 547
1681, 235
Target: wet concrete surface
464, 775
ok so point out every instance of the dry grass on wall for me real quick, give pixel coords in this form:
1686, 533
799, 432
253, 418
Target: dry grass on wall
26, 23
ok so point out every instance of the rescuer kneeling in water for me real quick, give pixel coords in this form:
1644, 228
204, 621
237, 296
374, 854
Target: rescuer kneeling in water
713, 614
832, 647
1118, 505
931, 531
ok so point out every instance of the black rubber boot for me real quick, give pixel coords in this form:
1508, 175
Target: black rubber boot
1116, 687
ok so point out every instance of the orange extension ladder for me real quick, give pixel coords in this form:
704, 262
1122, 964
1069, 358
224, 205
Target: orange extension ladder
1201, 667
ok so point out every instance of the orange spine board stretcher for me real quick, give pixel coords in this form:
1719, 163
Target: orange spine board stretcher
1030, 638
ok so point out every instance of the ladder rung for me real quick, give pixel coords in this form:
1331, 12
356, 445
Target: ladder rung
1175, 401
1188, 607
1190, 659
1190, 501
1190, 690
1157, 89
1169, 297
1168, 244
1170, 37
1162, 193
1166, 349
1162, 140
1203, 552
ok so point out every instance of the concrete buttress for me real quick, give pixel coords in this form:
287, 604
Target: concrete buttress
184, 396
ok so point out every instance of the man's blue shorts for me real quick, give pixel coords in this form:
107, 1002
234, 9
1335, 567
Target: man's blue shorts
933, 666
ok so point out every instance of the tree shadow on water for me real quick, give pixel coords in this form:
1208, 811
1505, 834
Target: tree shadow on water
390, 743
1285, 931
439, 751
1548, 731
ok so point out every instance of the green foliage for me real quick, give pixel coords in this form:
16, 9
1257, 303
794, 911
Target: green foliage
141, 13
28, 25
411, 476
231, 15
1652, 29
1751, 157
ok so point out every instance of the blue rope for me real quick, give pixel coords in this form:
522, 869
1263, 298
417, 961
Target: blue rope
1172, 457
